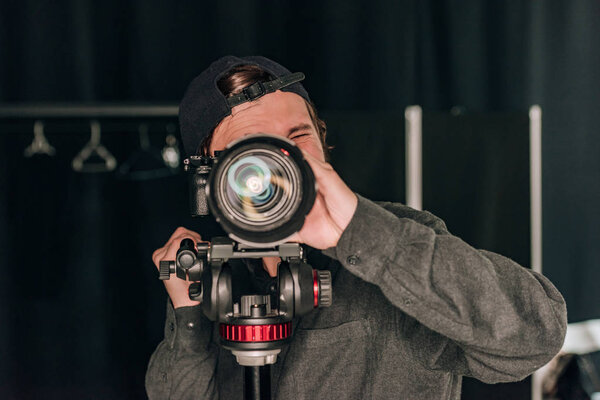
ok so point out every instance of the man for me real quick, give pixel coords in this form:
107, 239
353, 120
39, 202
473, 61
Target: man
414, 309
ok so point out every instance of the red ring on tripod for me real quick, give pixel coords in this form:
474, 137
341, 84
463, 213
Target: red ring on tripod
255, 333
316, 288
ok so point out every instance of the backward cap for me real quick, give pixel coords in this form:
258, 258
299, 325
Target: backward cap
203, 105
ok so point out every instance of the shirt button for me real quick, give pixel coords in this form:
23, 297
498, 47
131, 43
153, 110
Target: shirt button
353, 260
190, 325
171, 326
407, 301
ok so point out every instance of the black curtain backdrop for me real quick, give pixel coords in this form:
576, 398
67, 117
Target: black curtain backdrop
80, 306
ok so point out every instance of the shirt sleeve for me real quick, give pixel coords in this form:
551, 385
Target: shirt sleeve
487, 316
183, 366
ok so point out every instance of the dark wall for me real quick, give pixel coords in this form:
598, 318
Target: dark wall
376, 57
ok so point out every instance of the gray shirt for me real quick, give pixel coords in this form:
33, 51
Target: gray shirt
414, 310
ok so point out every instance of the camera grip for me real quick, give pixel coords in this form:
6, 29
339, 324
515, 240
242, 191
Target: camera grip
198, 201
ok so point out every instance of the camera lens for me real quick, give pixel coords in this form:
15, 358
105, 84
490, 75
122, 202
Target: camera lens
261, 189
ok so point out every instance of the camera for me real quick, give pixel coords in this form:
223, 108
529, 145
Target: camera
259, 189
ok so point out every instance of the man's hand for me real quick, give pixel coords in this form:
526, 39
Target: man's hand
177, 288
334, 207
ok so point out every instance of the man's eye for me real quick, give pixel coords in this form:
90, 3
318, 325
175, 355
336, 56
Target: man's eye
300, 136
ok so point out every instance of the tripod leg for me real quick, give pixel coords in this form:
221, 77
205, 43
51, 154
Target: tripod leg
257, 383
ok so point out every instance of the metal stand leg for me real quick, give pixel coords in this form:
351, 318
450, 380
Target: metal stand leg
257, 383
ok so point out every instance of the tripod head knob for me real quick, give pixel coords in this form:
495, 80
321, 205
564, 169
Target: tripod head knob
195, 291
186, 255
325, 292
165, 269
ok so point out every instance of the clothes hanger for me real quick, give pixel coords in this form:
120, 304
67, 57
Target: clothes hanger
146, 162
94, 157
40, 144
170, 153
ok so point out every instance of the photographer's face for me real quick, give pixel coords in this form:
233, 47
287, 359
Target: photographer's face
279, 113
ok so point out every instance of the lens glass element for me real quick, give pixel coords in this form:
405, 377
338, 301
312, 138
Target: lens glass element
250, 178
260, 188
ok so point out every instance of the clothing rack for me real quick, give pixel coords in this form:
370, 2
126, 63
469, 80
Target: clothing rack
167, 160
87, 110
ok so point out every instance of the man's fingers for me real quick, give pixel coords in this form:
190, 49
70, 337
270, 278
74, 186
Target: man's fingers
328, 181
169, 250
339, 200
181, 231
321, 169
158, 255
177, 232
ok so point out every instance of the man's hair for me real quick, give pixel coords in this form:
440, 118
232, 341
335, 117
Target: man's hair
242, 76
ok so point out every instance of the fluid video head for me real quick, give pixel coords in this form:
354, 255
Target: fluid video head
260, 190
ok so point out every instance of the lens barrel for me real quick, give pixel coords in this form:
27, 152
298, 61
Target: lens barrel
261, 190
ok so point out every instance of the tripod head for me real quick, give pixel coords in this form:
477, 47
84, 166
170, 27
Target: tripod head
254, 329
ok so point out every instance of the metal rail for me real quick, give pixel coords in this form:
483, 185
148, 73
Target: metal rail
535, 181
414, 158
89, 110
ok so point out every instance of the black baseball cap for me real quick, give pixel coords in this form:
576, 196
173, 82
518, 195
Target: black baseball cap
204, 106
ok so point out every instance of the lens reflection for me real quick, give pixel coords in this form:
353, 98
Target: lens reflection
250, 178
261, 189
